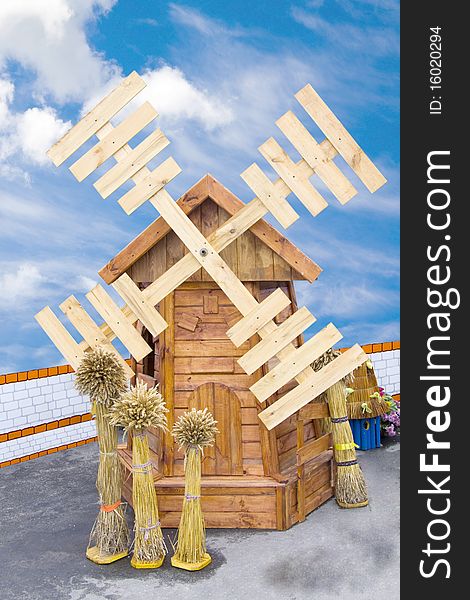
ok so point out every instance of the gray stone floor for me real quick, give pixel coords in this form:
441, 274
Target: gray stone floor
48, 506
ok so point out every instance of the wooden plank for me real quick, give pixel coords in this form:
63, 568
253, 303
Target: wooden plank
151, 184
225, 457
313, 386
277, 340
121, 327
264, 264
126, 168
209, 223
61, 338
188, 322
210, 304
90, 331
311, 151
167, 382
209, 348
264, 189
113, 141
341, 139
96, 118
288, 368
314, 410
135, 300
203, 252
229, 253
204, 364
313, 448
252, 322
288, 171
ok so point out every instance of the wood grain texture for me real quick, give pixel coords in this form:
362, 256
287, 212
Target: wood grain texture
96, 118
299, 359
113, 141
341, 139
226, 456
90, 331
265, 190
112, 314
316, 157
131, 164
288, 171
268, 347
313, 386
243, 217
257, 318
61, 338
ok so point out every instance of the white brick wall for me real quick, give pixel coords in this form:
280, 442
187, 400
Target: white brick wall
387, 370
37, 401
47, 439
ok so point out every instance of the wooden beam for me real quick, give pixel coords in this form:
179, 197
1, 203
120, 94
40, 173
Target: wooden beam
112, 314
313, 448
244, 217
314, 410
258, 317
96, 118
145, 311
277, 340
306, 145
126, 168
297, 362
313, 386
61, 338
113, 141
265, 190
288, 171
90, 331
341, 139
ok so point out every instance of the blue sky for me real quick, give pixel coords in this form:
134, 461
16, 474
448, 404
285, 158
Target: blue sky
219, 74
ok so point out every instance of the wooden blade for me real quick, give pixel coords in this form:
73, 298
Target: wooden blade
341, 139
312, 387
90, 331
61, 338
113, 141
96, 118
287, 170
297, 362
306, 145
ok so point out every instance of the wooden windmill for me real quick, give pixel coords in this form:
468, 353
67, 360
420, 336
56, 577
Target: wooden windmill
256, 327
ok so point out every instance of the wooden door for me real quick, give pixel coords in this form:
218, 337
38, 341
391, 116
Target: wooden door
225, 457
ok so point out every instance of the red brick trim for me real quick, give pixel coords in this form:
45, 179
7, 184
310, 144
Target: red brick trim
379, 347
15, 461
38, 373
13, 435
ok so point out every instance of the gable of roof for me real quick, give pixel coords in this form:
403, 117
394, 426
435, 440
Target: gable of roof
209, 187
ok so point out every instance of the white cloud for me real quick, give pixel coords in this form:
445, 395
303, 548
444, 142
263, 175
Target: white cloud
48, 37
27, 134
37, 129
177, 99
19, 285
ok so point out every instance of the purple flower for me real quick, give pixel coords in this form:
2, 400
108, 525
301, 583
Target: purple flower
390, 431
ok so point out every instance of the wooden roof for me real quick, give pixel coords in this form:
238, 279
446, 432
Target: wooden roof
209, 187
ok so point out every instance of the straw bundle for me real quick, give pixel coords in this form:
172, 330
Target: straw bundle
350, 490
365, 400
324, 359
193, 431
100, 376
137, 410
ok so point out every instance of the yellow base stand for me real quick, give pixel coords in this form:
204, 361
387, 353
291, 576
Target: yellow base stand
146, 565
94, 555
206, 560
358, 505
